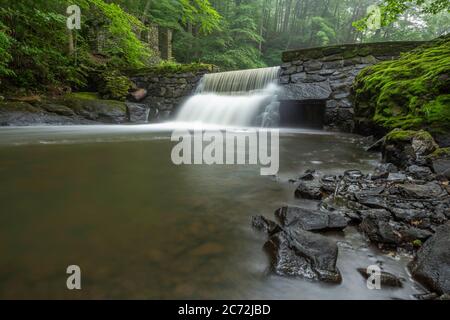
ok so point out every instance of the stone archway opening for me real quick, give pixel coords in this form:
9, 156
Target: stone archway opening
308, 114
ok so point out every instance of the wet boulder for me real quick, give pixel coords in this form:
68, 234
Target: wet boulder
420, 172
386, 279
383, 170
372, 200
430, 190
263, 224
432, 264
440, 162
378, 227
300, 253
90, 107
309, 220
309, 189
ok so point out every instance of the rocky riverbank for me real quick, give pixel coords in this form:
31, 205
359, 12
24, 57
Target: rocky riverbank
403, 206
73, 109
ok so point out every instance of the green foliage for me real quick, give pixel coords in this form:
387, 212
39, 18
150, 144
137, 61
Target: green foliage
232, 46
171, 67
408, 93
33, 61
114, 86
34, 42
5, 56
391, 10
122, 44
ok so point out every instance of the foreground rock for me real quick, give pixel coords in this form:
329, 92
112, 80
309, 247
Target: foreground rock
392, 208
72, 109
296, 252
260, 223
387, 279
301, 253
300, 218
432, 264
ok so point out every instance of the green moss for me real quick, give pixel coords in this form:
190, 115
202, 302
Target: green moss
86, 100
417, 243
400, 135
83, 95
169, 67
440, 153
410, 92
18, 106
407, 135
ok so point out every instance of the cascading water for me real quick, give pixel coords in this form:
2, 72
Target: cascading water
236, 98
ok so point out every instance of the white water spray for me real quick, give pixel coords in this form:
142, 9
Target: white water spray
233, 98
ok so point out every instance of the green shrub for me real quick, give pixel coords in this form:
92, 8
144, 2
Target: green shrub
114, 86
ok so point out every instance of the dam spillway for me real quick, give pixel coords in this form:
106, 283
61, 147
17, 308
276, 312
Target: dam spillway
234, 98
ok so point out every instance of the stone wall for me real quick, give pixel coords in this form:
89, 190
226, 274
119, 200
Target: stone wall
162, 94
328, 73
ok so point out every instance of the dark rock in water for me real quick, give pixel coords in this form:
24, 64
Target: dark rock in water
421, 173
308, 175
401, 156
353, 174
137, 113
396, 177
386, 168
387, 279
432, 264
372, 201
443, 140
309, 190
410, 234
426, 296
431, 190
409, 214
376, 213
296, 217
442, 167
262, 224
378, 228
299, 253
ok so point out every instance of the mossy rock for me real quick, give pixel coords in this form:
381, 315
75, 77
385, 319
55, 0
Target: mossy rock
399, 135
16, 106
409, 93
440, 153
90, 106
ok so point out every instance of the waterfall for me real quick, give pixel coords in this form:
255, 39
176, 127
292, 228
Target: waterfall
236, 98
235, 82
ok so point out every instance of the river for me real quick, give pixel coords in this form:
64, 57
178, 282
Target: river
110, 200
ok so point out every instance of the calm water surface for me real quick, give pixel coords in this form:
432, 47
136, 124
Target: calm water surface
109, 199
